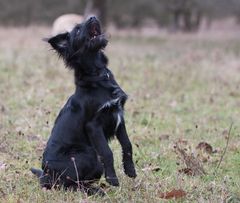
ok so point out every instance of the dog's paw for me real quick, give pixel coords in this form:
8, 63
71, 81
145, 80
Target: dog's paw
112, 181
130, 171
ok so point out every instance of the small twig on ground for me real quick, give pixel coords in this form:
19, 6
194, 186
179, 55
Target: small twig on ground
191, 162
225, 149
76, 170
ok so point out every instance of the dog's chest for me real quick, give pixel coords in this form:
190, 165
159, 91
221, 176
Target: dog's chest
111, 114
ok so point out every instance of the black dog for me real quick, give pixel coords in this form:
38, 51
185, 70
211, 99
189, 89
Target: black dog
77, 151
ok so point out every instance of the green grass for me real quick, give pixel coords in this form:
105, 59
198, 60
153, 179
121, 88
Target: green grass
186, 87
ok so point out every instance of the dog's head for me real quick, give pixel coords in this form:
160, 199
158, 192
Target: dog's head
83, 41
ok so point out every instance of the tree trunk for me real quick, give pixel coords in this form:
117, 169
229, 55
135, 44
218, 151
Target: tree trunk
187, 19
97, 8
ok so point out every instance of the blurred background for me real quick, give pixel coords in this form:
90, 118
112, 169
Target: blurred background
174, 15
179, 62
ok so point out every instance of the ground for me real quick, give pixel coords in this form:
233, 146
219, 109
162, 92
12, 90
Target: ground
183, 90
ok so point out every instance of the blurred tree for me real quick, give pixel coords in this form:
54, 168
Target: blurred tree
185, 14
236, 9
15, 12
97, 8
179, 14
134, 13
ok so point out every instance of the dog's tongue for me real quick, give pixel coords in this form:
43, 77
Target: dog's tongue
94, 31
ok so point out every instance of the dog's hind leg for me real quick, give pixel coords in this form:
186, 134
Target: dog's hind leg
44, 179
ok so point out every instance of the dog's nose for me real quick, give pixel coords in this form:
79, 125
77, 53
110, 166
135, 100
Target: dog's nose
92, 18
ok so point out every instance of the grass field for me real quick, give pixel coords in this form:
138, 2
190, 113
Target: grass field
183, 89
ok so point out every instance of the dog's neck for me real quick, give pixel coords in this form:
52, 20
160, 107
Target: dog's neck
92, 68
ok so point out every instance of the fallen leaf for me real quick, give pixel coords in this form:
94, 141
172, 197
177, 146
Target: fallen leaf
234, 94
135, 113
204, 146
187, 171
173, 194
225, 132
164, 137
20, 200
104, 185
182, 141
3, 109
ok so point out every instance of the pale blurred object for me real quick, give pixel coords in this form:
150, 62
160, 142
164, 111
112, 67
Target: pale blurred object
65, 23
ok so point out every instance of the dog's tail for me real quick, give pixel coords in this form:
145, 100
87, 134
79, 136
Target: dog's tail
37, 172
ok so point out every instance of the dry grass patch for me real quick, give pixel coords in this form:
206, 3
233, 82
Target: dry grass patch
180, 87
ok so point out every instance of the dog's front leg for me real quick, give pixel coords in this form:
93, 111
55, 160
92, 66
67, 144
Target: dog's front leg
126, 145
99, 142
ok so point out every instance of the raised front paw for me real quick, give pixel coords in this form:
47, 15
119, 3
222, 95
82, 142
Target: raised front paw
130, 170
112, 181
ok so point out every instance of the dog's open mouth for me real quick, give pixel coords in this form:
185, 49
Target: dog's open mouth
94, 30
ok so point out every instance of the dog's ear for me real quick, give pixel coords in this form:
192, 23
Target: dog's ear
59, 42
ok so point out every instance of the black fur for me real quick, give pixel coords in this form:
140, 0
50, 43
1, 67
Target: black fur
77, 152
